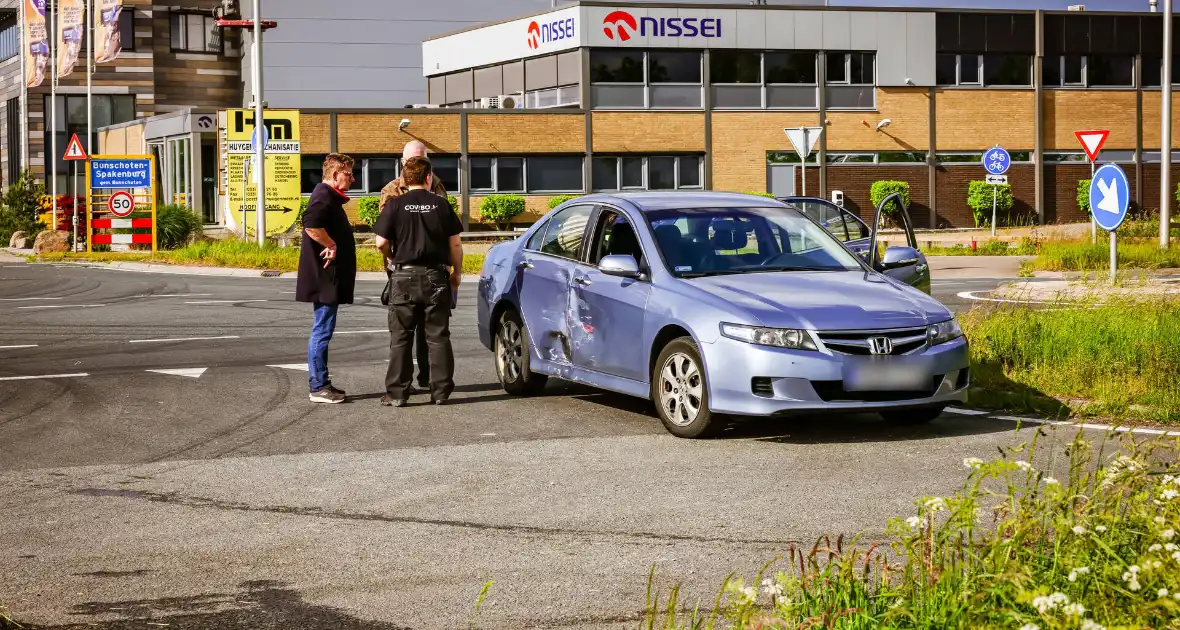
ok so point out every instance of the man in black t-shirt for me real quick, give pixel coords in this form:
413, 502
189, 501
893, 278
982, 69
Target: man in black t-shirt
418, 233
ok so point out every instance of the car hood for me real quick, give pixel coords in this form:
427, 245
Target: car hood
824, 300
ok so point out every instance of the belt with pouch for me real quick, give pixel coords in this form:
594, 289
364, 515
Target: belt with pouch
393, 267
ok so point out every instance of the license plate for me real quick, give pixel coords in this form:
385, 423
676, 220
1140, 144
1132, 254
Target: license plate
887, 374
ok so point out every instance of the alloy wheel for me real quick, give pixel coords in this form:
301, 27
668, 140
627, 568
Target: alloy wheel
681, 389
509, 348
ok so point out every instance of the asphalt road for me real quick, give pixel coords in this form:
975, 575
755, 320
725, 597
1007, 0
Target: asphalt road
219, 497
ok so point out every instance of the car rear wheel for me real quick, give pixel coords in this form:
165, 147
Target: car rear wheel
512, 357
913, 416
680, 391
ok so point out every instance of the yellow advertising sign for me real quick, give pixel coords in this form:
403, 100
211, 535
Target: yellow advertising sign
282, 168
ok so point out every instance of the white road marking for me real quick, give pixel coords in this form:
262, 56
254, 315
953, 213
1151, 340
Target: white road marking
966, 412
172, 295
182, 339
189, 372
224, 301
970, 295
32, 378
291, 366
28, 299
1091, 426
62, 306
361, 332
31, 345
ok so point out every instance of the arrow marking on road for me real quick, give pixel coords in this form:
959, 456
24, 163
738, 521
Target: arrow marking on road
1110, 197
189, 372
291, 366
31, 345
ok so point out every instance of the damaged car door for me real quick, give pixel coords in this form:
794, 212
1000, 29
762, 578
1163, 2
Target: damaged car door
546, 271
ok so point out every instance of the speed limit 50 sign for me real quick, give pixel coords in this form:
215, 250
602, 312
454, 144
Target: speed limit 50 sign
121, 204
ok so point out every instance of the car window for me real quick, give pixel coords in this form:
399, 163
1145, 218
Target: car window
830, 217
707, 241
856, 227
534, 242
566, 232
615, 236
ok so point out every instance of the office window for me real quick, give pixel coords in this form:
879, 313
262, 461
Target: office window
750, 80
127, 28
447, 170
1153, 70
510, 174
1015, 70
951, 69
791, 67
195, 32
837, 68
674, 66
482, 177
735, 66
14, 122
311, 172
1110, 71
654, 172
616, 66
639, 80
108, 109
9, 36
554, 174
970, 69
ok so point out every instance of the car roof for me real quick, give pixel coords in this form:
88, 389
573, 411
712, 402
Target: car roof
652, 201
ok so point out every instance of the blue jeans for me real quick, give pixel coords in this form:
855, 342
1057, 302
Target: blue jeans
317, 345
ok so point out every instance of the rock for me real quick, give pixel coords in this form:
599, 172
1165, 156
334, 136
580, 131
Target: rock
19, 240
52, 241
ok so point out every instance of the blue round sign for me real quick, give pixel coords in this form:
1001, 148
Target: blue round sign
1110, 196
996, 161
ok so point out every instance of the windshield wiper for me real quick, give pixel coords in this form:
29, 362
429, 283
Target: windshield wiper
794, 268
715, 272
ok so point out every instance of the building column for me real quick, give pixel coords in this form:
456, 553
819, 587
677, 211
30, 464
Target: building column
707, 101
464, 180
588, 120
932, 163
1139, 131
822, 79
1039, 121
332, 133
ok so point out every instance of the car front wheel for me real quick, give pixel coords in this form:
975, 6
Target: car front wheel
512, 357
680, 391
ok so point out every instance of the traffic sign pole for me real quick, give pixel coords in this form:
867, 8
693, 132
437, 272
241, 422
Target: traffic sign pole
1110, 197
995, 188
997, 161
1093, 223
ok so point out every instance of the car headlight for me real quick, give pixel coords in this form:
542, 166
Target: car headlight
943, 332
777, 337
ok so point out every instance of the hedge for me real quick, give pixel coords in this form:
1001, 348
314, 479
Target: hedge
979, 199
882, 189
501, 209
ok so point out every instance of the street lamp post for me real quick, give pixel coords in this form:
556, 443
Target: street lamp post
259, 127
1166, 132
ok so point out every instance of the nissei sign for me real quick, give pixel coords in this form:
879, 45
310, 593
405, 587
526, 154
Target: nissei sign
621, 25
540, 33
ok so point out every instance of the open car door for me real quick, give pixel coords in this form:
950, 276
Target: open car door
906, 264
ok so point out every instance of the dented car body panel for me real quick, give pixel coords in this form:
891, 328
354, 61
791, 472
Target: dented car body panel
588, 326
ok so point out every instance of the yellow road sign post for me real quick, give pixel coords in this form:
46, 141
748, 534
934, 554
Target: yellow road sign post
283, 165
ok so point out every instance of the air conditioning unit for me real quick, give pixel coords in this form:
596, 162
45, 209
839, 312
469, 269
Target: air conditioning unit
1076, 7
488, 102
424, 106
510, 101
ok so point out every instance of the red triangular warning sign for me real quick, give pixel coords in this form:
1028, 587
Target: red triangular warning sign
1092, 141
75, 150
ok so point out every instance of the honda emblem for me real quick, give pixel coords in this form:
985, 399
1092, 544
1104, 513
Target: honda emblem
880, 345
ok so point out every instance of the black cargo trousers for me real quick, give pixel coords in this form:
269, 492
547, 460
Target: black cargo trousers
420, 297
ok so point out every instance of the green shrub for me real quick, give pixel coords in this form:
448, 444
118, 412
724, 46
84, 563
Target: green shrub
176, 226
560, 199
302, 210
882, 189
759, 194
454, 201
19, 208
368, 209
979, 199
501, 209
1084, 195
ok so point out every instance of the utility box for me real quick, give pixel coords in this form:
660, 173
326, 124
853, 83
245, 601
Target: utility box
838, 197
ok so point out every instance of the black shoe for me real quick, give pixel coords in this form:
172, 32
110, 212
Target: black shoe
386, 401
413, 391
438, 401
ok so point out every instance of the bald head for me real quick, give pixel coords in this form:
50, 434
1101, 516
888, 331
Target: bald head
413, 148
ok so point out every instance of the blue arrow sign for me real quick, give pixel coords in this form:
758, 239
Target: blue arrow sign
254, 138
996, 161
1110, 196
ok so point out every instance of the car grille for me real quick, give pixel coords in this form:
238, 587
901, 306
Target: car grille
903, 340
761, 386
833, 391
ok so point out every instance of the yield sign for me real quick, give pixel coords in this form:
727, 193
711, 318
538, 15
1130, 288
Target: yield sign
1092, 141
75, 151
804, 139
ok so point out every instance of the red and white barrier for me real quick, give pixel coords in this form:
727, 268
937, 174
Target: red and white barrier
120, 223
111, 239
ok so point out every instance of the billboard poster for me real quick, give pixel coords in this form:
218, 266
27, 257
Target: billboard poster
70, 21
283, 168
36, 39
108, 41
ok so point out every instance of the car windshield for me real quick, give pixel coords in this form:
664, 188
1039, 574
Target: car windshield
698, 242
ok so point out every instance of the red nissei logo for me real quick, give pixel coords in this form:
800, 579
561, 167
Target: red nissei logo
534, 35
620, 21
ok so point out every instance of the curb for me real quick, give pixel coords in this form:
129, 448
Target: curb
1091, 426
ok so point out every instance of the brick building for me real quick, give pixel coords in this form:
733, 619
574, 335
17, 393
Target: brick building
634, 96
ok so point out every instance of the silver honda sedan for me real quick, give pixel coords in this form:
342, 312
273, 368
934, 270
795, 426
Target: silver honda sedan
716, 304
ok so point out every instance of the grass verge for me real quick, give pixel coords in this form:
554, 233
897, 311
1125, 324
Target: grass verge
232, 253
1117, 359
1026, 247
1015, 548
1086, 257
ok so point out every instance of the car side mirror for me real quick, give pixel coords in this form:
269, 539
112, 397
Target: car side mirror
897, 257
619, 265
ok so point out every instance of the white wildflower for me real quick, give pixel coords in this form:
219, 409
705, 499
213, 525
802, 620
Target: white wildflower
1169, 494
1079, 530
1030, 626
1168, 534
1050, 481
1074, 610
936, 504
772, 588
1023, 465
1100, 528
1155, 564
1073, 575
1154, 548
750, 594
1176, 596
1045, 603
1131, 577
1169, 478
1176, 556
1090, 624
914, 522
1159, 520
1169, 546
1163, 592
972, 462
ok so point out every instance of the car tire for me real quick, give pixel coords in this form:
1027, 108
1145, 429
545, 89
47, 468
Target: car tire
921, 415
680, 391
512, 354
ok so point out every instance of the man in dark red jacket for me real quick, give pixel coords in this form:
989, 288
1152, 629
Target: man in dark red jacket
327, 269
